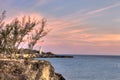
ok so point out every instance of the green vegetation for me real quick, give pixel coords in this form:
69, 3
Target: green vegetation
18, 31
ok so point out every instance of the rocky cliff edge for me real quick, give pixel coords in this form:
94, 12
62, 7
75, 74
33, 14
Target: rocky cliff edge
27, 70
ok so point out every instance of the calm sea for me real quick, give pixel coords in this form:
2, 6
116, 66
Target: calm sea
88, 67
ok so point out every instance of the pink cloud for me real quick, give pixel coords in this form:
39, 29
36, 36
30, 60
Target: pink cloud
105, 37
94, 42
67, 33
20, 15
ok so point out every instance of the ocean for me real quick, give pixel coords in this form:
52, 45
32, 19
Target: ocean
83, 67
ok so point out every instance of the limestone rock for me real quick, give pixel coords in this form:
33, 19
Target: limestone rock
27, 70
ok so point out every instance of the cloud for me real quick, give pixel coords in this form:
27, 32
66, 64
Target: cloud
116, 20
73, 31
106, 37
39, 3
21, 14
102, 9
78, 18
84, 43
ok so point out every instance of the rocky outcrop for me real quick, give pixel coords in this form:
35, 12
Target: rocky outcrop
27, 70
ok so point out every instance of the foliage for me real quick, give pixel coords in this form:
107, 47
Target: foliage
14, 33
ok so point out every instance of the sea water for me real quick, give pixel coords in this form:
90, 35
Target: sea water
87, 67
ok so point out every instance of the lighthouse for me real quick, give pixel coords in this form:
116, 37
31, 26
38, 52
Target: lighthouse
40, 50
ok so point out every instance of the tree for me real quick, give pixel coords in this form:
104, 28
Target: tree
14, 33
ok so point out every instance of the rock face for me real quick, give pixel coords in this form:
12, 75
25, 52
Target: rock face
27, 70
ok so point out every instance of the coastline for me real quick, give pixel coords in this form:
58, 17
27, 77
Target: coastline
14, 69
55, 56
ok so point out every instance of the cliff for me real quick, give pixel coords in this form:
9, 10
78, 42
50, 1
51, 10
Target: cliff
27, 70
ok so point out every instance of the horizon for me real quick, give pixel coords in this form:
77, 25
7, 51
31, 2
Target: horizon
80, 27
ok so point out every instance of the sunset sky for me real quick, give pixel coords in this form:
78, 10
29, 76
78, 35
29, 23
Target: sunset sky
78, 26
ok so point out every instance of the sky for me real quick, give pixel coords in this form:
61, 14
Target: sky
78, 26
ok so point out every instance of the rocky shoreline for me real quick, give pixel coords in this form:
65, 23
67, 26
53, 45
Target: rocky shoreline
37, 54
12, 69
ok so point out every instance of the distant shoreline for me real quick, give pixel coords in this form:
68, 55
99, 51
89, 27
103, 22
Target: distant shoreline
89, 55
56, 56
